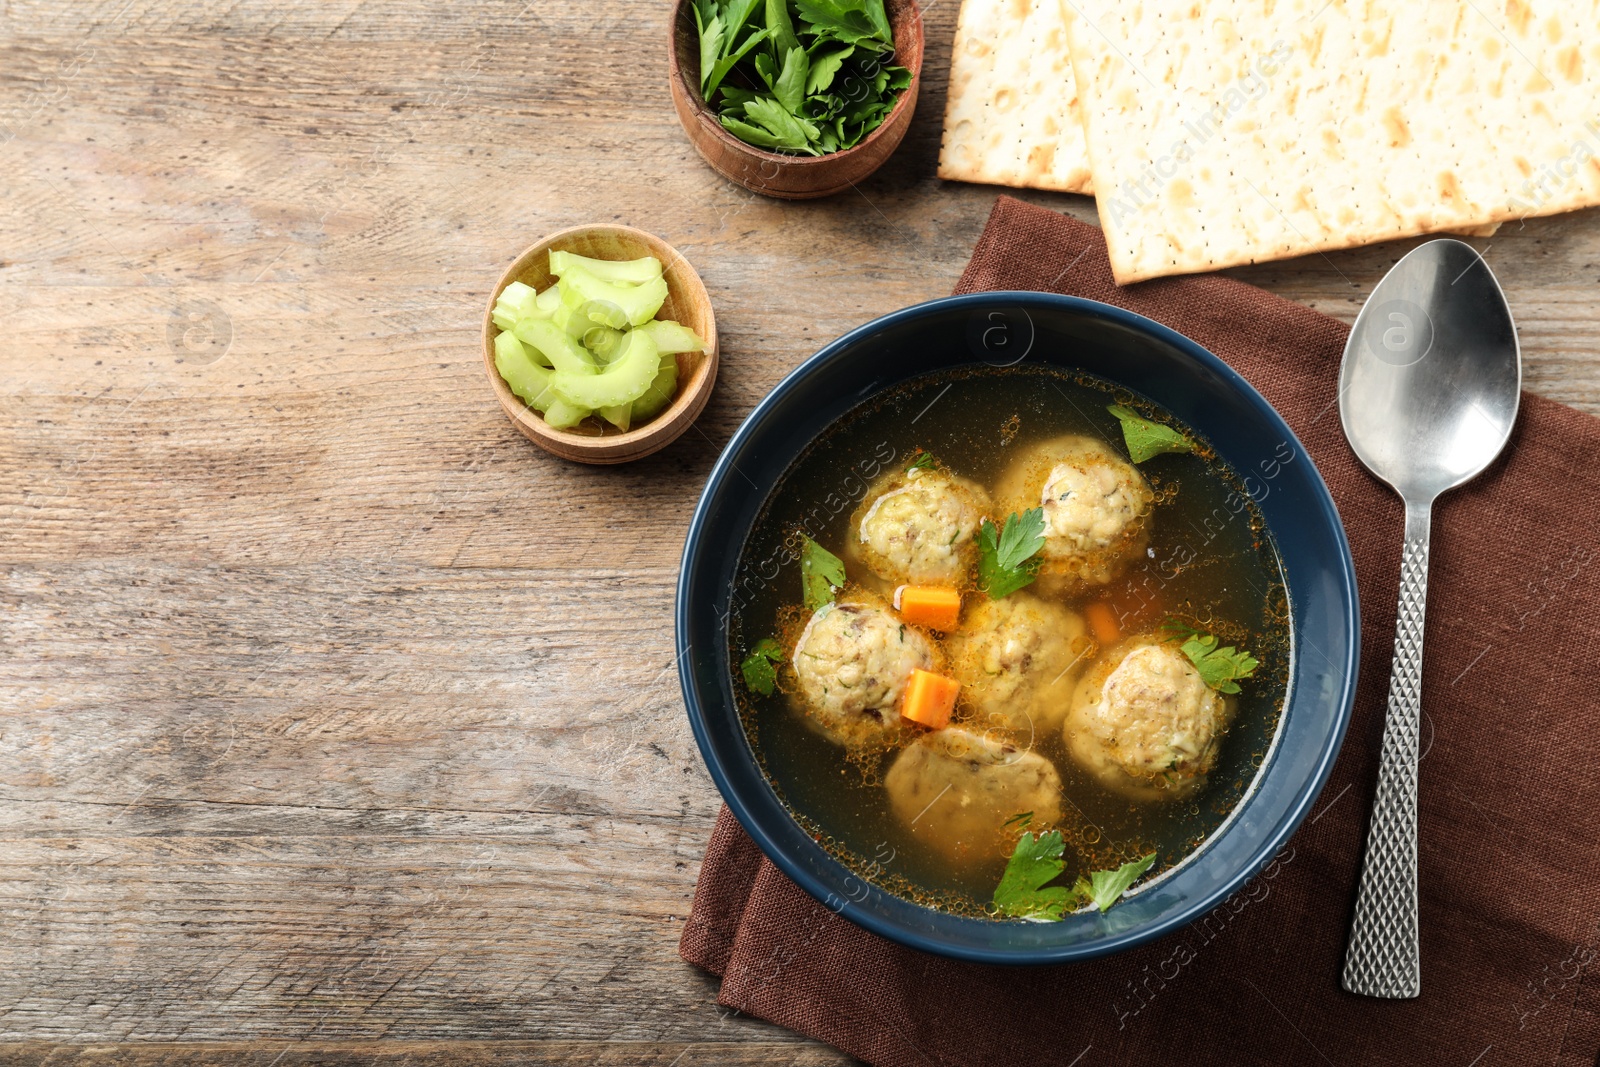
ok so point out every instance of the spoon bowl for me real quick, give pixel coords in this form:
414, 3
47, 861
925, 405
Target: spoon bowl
1432, 373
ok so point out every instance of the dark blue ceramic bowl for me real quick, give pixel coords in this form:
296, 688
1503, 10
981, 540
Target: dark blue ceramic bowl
1138, 354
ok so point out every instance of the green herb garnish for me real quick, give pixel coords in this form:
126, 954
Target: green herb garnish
720, 48
1021, 893
1105, 888
850, 20
1145, 438
821, 574
1024, 894
1006, 560
759, 667
802, 76
922, 461
1218, 667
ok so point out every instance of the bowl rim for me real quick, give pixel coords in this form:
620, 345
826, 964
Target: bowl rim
706, 118
651, 436
1194, 907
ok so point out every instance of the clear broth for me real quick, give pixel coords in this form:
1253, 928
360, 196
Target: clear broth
1210, 558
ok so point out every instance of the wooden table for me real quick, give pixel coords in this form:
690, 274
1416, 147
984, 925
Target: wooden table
340, 723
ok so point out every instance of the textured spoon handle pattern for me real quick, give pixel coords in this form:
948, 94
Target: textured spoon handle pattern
1383, 958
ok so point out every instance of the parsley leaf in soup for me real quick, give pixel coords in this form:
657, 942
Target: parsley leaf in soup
1219, 667
821, 574
1022, 893
1105, 888
1006, 555
759, 667
1145, 438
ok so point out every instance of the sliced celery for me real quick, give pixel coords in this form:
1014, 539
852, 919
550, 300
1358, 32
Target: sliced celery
622, 382
550, 301
527, 379
565, 354
671, 337
515, 303
623, 272
506, 345
563, 415
571, 321
590, 344
603, 342
519, 299
637, 303
661, 391
507, 338
593, 312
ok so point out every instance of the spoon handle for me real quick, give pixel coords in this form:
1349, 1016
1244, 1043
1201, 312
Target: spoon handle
1383, 958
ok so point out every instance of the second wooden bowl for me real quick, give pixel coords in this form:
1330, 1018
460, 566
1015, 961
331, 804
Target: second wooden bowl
779, 174
591, 441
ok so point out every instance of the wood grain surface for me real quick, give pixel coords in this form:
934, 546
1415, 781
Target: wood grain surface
338, 723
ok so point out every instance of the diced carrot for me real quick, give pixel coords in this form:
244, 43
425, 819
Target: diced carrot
938, 607
930, 698
1103, 622
1137, 605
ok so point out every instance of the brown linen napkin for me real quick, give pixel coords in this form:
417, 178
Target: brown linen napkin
1510, 783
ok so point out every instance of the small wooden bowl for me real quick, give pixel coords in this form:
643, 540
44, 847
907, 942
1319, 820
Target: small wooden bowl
777, 174
593, 440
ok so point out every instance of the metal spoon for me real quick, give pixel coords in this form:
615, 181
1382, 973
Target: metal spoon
1428, 393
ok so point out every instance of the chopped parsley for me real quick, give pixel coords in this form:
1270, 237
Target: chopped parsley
1105, 888
821, 574
802, 76
1022, 893
759, 667
1145, 438
1219, 667
1006, 556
